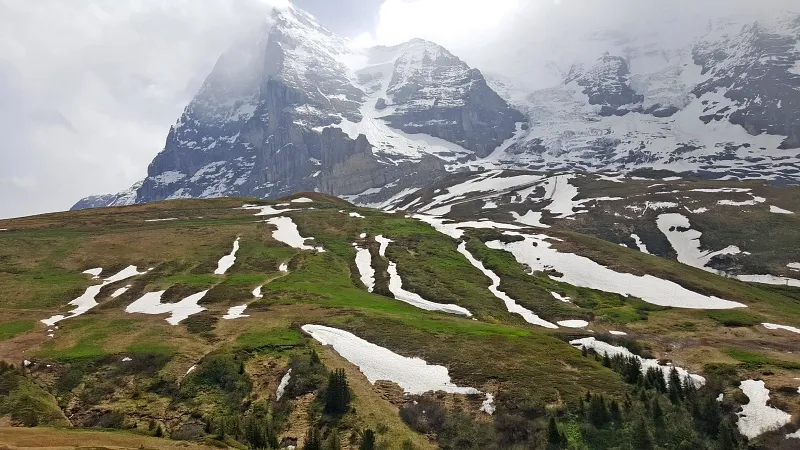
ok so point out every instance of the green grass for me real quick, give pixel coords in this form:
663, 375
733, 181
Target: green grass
10, 330
735, 318
751, 360
266, 339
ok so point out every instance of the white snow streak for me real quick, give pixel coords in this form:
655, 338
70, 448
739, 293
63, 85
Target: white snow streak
235, 312
530, 218
511, 304
364, 264
687, 243
772, 326
640, 244
226, 262
573, 323
283, 384
777, 210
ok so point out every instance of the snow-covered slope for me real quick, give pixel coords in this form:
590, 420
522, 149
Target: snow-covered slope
719, 99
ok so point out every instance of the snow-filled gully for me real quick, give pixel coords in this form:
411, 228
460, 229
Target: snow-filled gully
150, 303
511, 304
413, 375
288, 233
396, 288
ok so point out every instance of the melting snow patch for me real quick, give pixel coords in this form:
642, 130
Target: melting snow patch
120, 291
793, 266
283, 384
769, 279
95, 273
364, 264
235, 312
581, 271
362, 235
776, 210
561, 194
511, 304
602, 348
357, 215
396, 288
756, 200
561, 298
226, 262
170, 219
414, 375
772, 326
150, 303
191, 369
302, 200
284, 268
88, 300
574, 323
384, 242
617, 333
455, 229
126, 359
488, 405
268, 210
687, 243
640, 244
756, 417
257, 292
489, 205
533, 219
288, 233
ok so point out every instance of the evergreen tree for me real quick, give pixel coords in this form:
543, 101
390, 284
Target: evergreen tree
258, 434
313, 441
554, 437
606, 360
367, 441
728, 437
675, 388
616, 413
658, 414
333, 442
337, 396
640, 436
598, 413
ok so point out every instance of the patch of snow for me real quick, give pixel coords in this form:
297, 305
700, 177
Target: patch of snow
772, 326
489, 182
169, 219
687, 243
235, 312
560, 297
489, 205
384, 242
95, 273
488, 404
455, 229
561, 195
126, 359
257, 292
795, 266
776, 210
88, 300
756, 417
617, 333
511, 305
605, 348
769, 279
413, 375
288, 233
533, 219
573, 323
796, 434
364, 264
396, 288
362, 235
357, 215
640, 244
191, 369
226, 262
577, 270
699, 210
302, 200
150, 303
267, 210
283, 384
756, 200
120, 291
672, 178
283, 268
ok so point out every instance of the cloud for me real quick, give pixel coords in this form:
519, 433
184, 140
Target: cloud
88, 88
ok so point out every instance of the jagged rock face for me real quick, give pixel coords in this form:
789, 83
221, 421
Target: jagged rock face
435, 93
608, 84
283, 111
759, 69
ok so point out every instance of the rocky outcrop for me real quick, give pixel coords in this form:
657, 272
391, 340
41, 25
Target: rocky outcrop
608, 84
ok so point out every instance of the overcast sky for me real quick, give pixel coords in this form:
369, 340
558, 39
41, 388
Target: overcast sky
89, 88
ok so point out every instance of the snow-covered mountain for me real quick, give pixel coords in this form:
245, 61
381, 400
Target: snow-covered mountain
720, 99
294, 107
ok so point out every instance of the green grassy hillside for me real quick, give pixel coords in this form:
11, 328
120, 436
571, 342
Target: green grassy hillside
213, 381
